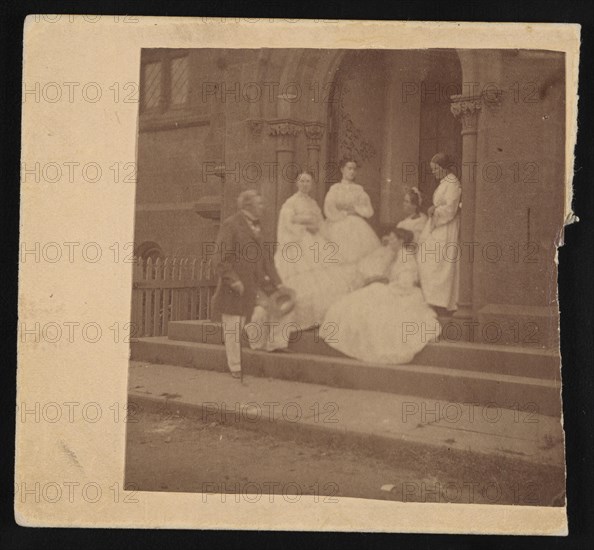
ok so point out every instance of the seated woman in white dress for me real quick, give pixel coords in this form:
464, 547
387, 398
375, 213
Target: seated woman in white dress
347, 206
299, 240
415, 220
387, 321
305, 263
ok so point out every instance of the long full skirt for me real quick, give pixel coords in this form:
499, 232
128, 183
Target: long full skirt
382, 324
316, 290
352, 238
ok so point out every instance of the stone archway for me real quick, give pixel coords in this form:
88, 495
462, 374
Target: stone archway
356, 120
302, 133
391, 111
149, 249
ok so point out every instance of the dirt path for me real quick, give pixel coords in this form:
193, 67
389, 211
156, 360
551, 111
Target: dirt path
180, 454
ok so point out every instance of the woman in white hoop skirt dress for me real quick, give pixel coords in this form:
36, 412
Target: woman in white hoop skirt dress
438, 275
306, 263
347, 206
299, 240
387, 321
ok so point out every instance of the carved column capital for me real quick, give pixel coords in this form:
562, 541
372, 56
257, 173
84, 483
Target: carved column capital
467, 108
314, 133
286, 130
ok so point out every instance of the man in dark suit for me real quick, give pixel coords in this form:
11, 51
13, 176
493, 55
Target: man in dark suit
244, 267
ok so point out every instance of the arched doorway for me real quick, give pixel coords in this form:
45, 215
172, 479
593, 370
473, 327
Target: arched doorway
439, 131
356, 119
390, 110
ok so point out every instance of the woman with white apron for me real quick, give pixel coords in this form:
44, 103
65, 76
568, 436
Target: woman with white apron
439, 251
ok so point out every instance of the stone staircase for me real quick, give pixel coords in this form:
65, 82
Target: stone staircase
493, 375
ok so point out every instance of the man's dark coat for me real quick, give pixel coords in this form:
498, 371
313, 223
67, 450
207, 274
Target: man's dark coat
241, 256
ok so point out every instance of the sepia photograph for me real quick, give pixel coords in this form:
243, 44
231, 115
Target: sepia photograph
294, 275
344, 279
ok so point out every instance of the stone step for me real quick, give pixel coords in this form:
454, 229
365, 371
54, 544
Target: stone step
380, 422
537, 395
485, 330
489, 358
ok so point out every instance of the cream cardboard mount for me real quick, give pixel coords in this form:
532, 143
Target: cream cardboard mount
88, 115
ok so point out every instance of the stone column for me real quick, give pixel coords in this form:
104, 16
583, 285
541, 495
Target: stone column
314, 133
285, 132
467, 109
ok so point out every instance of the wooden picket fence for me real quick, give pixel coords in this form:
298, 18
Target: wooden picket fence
170, 289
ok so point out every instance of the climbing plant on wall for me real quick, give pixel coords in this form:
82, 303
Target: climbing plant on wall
352, 142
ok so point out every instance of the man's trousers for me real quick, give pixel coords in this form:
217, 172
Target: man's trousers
232, 330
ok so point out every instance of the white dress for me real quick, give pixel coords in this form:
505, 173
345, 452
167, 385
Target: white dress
346, 206
298, 249
439, 254
384, 323
316, 290
318, 277
297, 261
415, 225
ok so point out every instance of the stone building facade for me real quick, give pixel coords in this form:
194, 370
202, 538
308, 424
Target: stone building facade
213, 122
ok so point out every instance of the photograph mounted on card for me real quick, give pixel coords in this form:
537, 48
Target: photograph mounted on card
291, 287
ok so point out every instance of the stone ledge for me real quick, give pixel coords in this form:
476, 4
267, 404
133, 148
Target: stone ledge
506, 360
534, 326
456, 385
